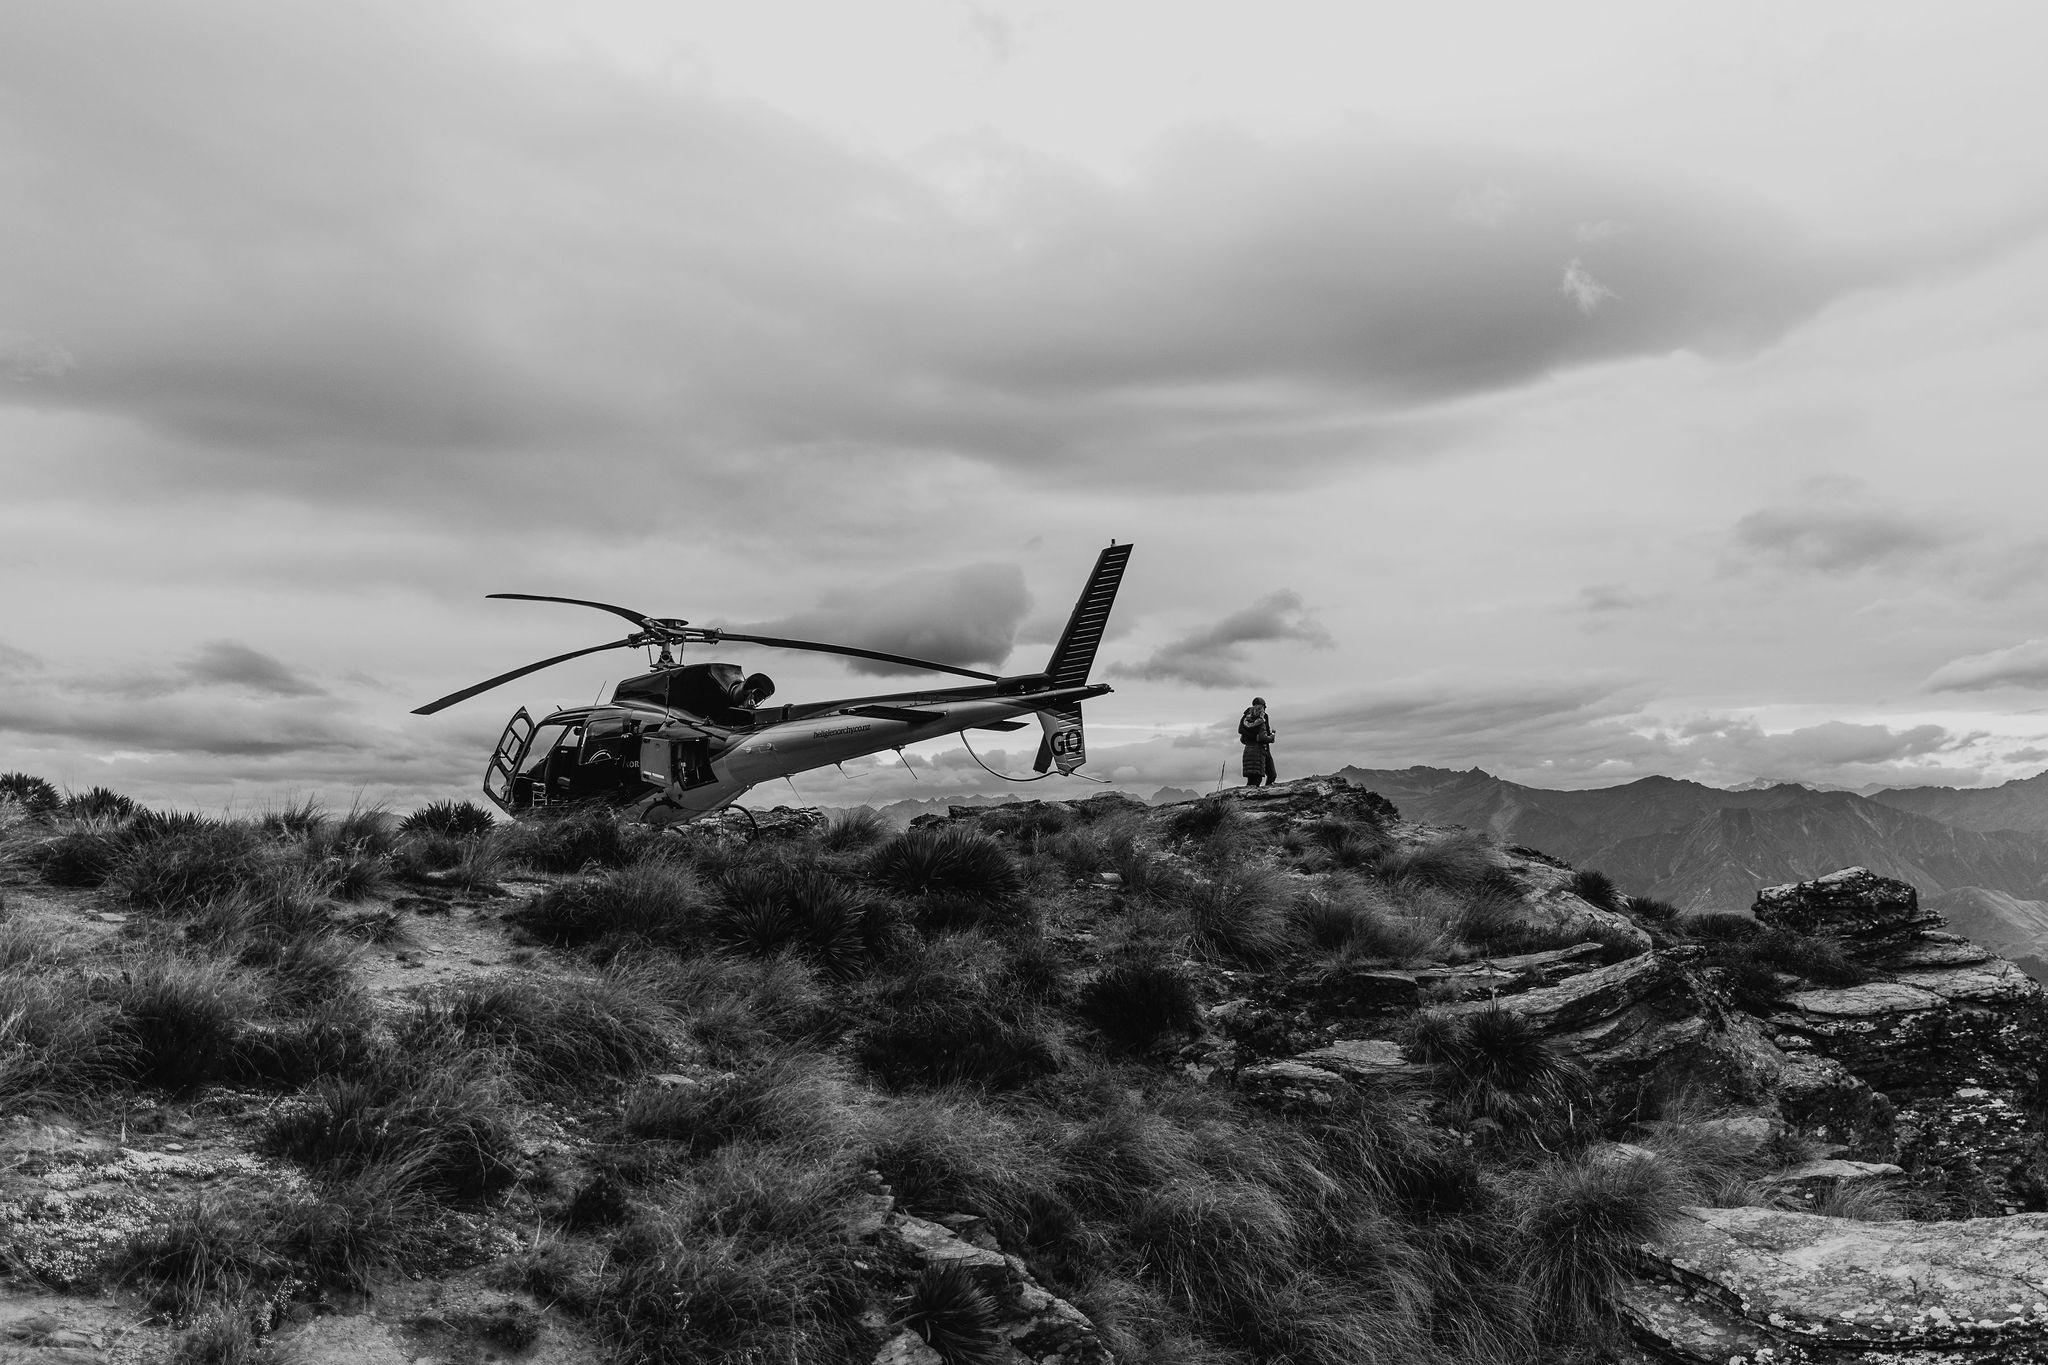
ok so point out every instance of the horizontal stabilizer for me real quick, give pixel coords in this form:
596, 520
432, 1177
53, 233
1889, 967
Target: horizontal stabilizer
894, 713
1000, 725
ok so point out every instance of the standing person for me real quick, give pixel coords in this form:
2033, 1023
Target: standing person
1255, 732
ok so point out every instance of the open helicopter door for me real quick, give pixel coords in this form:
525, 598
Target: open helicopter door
505, 758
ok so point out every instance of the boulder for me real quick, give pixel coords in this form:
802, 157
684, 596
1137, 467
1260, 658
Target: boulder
1872, 915
1767, 1284
1039, 1326
1366, 1061
1647, 1015
1953, 1035
1292, 1085
744, 822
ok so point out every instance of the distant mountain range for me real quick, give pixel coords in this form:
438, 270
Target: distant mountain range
2019, 805
1702, 848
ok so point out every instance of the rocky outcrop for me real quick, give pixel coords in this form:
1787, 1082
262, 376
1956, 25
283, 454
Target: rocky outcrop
743, 822
1037, 1326
1954, 1036
1626, 1022
1758, 1284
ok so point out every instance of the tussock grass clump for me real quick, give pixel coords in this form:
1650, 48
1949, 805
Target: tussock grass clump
955, 862
1861, 1201
1647, 908
365, 829
1596, 889
295, 820
788, 1096
180, 1018
422, 855
457, 862
737, 1009
1217, 1240
1493, 1065
1137, 1001
1332, 842
557, 1031
770, 908
1078, 853
80, 857
755, 1260
211, 1254
224, 1262
222, 1336
334, 1037
450, 1121
1143, 871
575, 839
1461, 863
945, 1152
56, 1039
956, 1012
957, 1318
1717, 926
1581, 1218
1814, 957
1750, 966
99, 803
303, 970
1197, 821
186, 862
1359, 922
33, 794
1239, 912
853, 830
456, 819
659, 903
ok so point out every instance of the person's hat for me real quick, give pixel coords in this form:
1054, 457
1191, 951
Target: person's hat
1258, 701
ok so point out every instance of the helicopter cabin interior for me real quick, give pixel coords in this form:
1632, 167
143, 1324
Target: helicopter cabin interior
600, 753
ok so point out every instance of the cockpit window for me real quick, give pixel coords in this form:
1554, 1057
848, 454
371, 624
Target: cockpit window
542, 746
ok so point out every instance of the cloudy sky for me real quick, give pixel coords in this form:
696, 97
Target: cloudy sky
1580, 391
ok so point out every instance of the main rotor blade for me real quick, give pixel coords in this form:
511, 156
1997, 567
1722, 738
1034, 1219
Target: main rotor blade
466, 693
877, 655
635, 617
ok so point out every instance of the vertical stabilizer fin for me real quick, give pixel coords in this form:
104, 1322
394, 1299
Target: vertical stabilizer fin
1075, 653
1062, 744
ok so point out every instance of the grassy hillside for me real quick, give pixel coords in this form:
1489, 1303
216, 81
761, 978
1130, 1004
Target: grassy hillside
641, 1095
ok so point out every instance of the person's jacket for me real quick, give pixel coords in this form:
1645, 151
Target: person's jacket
1254, 727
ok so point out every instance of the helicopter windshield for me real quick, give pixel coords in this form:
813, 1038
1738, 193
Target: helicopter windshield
542, 746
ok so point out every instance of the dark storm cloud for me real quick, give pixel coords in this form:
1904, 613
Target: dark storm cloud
233, 663
958, 616
1215, 656
1837, 539
347, 232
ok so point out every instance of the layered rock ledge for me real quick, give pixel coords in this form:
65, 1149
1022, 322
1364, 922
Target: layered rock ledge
1759, 1284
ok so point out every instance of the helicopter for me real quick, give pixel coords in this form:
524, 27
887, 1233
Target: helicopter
685, 739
